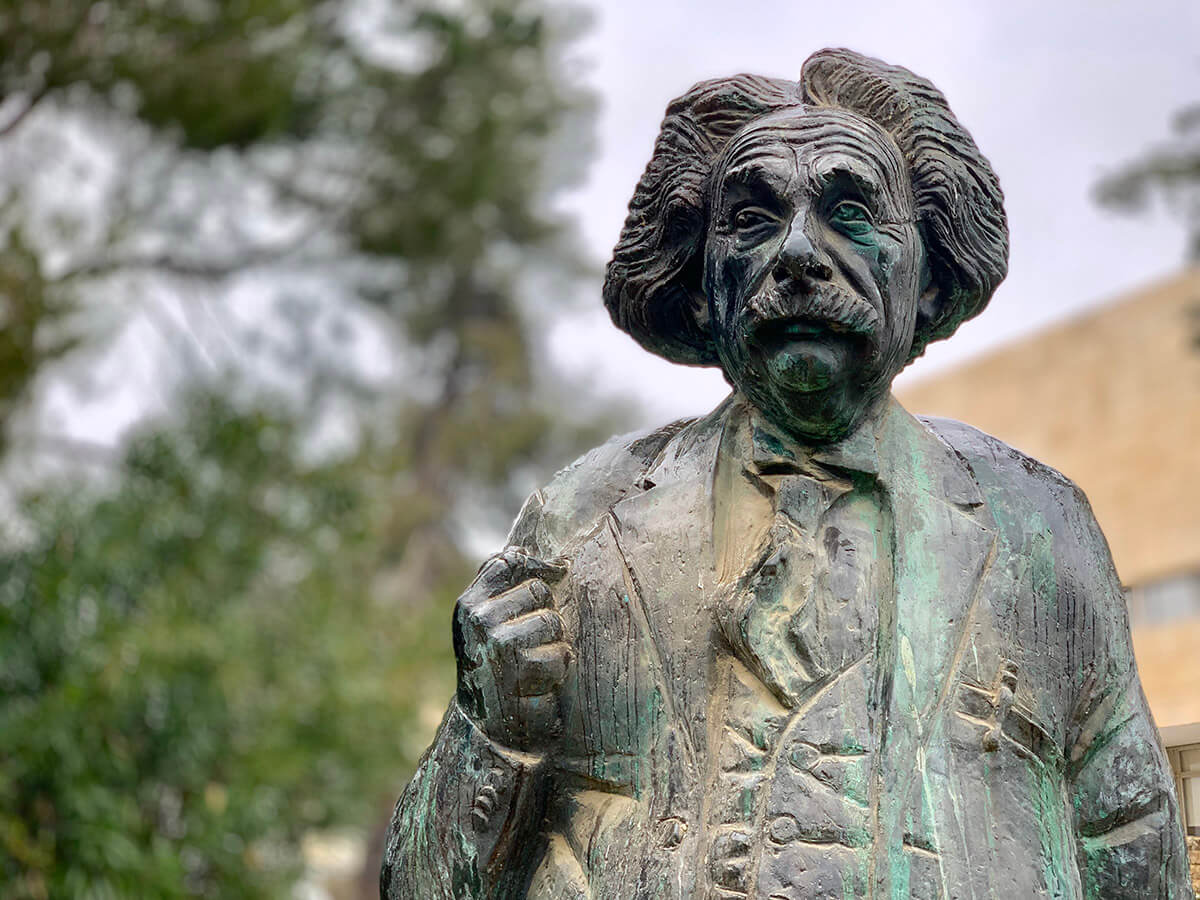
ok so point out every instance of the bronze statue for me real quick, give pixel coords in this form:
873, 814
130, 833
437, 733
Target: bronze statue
807, 646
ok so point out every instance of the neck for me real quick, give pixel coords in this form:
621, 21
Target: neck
810, 428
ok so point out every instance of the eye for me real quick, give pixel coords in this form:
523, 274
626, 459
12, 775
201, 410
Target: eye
852, 218
751, 218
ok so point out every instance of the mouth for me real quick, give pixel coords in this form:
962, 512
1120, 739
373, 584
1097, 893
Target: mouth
802, 328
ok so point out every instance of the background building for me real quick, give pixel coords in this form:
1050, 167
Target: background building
1112, 400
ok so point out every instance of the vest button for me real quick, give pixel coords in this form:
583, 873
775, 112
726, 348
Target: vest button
783, 829
730, 874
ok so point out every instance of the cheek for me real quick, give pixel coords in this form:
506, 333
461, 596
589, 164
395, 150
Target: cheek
729, 275
895, 264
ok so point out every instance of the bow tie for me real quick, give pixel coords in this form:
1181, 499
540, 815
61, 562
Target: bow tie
773, 454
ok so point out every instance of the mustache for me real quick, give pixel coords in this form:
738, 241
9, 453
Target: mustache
829, 305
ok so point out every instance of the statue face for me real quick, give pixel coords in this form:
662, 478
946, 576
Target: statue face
813, 268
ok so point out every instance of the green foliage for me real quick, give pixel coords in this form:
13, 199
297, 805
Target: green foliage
412, 164
196, 669
466, 138
222, 73
1168, 173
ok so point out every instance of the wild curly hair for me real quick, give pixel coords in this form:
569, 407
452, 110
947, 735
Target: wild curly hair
652, 285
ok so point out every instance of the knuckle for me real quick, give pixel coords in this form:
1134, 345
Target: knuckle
492, 568
513, 558
472, 596
501, 639
466, 614
473, 625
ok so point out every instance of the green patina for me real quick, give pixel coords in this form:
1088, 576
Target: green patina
1042, 564
748, 805
1049, 809
855, 784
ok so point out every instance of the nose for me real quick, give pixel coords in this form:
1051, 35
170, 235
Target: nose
799, 257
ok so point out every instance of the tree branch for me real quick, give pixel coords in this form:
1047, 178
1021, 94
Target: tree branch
33, 100
209, 269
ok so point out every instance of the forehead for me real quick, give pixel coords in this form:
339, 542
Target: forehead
815, 144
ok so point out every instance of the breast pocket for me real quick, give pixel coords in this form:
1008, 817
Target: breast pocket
1000, 791
990, 717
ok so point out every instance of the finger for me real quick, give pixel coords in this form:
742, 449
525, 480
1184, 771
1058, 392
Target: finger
541, 669
525, 567
548, 570
495, 576
544, 626
508, 569
514, 603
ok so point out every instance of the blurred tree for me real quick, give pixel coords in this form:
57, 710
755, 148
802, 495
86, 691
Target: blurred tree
234, 635
1168, 173
196, 671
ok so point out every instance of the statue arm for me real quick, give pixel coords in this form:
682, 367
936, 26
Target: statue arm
460, 828
1129, 836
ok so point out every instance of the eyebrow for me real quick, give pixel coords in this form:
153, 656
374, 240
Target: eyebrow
865, 184
749, 174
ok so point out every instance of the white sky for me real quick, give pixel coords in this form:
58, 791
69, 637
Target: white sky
1055, 94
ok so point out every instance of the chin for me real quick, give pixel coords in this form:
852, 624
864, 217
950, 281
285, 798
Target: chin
817, 390
811, 416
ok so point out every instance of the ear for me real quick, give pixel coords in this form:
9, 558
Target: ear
930, 306
701, 312
694, 308
929, 309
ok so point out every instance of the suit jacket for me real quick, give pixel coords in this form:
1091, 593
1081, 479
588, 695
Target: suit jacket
1016, 754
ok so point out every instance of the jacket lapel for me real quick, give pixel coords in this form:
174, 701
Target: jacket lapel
664, 536
944, 544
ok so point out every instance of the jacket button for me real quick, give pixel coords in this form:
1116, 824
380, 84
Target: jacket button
670, 832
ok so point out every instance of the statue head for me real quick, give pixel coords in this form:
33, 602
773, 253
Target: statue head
810, 238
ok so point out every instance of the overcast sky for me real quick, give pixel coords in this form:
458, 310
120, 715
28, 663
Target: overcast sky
1055, 94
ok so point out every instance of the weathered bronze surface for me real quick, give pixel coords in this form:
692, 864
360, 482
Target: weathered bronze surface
807, 646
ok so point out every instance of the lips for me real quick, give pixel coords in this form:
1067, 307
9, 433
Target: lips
799, 328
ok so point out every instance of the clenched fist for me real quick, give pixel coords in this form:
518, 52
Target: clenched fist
511, 651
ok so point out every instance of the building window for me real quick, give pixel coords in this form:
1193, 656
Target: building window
1185, 761
1164, 600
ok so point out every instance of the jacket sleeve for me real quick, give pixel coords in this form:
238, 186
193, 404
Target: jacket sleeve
1129, 836
464, 824
467, 826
